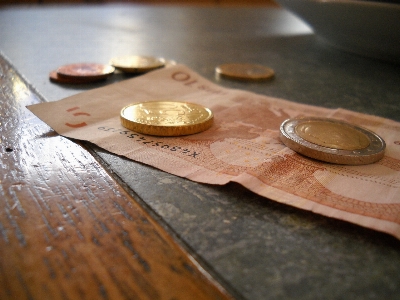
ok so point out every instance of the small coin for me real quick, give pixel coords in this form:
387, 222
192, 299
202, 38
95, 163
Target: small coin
53, 76
85, 71
244, 71
332, 141
166, 118
137, 63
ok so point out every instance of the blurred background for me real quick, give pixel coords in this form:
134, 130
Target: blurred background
174, 2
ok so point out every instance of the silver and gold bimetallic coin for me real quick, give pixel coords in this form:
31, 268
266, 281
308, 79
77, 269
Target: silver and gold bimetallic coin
166, 118
332, 141
137, 63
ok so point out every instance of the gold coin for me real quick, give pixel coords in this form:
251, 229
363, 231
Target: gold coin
332, 141
166, 118
137, 63
243, 71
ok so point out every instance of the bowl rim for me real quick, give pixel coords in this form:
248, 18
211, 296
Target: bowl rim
367, 3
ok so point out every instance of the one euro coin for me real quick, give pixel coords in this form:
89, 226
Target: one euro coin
332, 141
166, 118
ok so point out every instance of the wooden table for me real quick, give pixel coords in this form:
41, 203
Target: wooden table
77, 222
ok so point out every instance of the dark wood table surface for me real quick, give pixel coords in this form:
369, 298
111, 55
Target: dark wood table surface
77, 222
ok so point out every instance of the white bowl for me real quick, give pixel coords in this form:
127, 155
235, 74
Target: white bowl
364, 27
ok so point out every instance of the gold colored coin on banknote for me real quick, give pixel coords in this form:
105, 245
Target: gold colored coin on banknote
166, 118
332, 141
137, 63
245, 71
85, 71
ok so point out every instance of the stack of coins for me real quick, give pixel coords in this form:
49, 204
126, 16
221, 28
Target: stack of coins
166, 118
81, 73
332, 141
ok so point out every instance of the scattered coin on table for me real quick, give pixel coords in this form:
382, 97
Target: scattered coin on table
53, 76
166, 118
85, 70
332, 141
137, 63
244, 71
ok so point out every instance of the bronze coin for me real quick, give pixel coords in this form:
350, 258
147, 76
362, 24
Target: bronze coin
85, 71
53, 76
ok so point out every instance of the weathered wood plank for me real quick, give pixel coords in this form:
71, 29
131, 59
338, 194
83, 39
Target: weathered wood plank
68, 230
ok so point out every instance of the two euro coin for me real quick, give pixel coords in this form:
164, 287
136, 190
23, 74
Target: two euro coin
332, 141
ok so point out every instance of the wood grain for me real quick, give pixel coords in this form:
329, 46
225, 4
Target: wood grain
68, 230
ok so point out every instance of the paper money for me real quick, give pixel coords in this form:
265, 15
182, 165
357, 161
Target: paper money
243, 145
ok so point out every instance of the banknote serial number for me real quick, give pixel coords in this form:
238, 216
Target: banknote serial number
145, 140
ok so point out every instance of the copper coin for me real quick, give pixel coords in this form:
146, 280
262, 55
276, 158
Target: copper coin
54, 77
85, 71
245, 71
